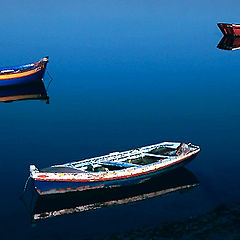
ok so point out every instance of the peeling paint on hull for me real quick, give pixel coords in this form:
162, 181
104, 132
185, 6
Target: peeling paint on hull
229, 29
55, 187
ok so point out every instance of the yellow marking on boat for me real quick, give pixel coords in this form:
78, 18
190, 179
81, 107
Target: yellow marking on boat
21, 74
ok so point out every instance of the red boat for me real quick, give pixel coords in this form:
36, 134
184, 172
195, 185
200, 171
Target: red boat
229, 29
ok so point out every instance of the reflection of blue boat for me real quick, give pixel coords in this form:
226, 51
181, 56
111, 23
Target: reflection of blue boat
116, 169
70, 203
23, 74
32, 91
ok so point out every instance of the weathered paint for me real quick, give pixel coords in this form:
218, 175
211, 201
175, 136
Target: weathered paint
60, 186
111, 175
229, 29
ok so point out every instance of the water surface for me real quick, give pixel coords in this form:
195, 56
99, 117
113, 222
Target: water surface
126, 74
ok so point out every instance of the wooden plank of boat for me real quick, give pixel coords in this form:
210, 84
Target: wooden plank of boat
229, 29
23, 74
113, 170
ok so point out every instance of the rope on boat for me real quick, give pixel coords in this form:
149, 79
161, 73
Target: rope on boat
26, 183
51, 79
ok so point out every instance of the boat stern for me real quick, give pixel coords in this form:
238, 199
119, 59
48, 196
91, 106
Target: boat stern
194, 147
33, 170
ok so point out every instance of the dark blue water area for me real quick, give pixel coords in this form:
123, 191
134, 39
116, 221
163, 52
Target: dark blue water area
126, 74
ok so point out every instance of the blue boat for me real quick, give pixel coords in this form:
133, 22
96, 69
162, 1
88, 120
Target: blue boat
23, 74
116, 169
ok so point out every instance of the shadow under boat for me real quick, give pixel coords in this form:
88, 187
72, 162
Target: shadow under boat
32, 91
229, 43
44, 207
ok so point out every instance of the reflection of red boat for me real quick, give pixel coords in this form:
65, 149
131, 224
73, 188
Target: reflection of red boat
229, 43
229, 29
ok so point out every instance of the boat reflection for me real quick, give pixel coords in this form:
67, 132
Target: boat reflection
31, 91
229, 43
63, 204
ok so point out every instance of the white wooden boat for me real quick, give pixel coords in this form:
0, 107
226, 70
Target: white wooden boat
113, 170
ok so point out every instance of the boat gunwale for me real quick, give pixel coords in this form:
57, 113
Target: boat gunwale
102, 176
128, 153
132, 152
19, 71
229, 24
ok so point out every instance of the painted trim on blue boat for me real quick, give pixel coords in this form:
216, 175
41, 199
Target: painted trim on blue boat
22, 80
21, 67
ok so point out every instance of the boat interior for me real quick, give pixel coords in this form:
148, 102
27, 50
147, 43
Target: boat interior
22, 68
17, 69
120, 161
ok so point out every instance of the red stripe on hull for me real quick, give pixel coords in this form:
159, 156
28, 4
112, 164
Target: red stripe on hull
114, 178
229, 29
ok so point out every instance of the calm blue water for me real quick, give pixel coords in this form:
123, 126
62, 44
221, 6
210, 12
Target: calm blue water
126, 74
